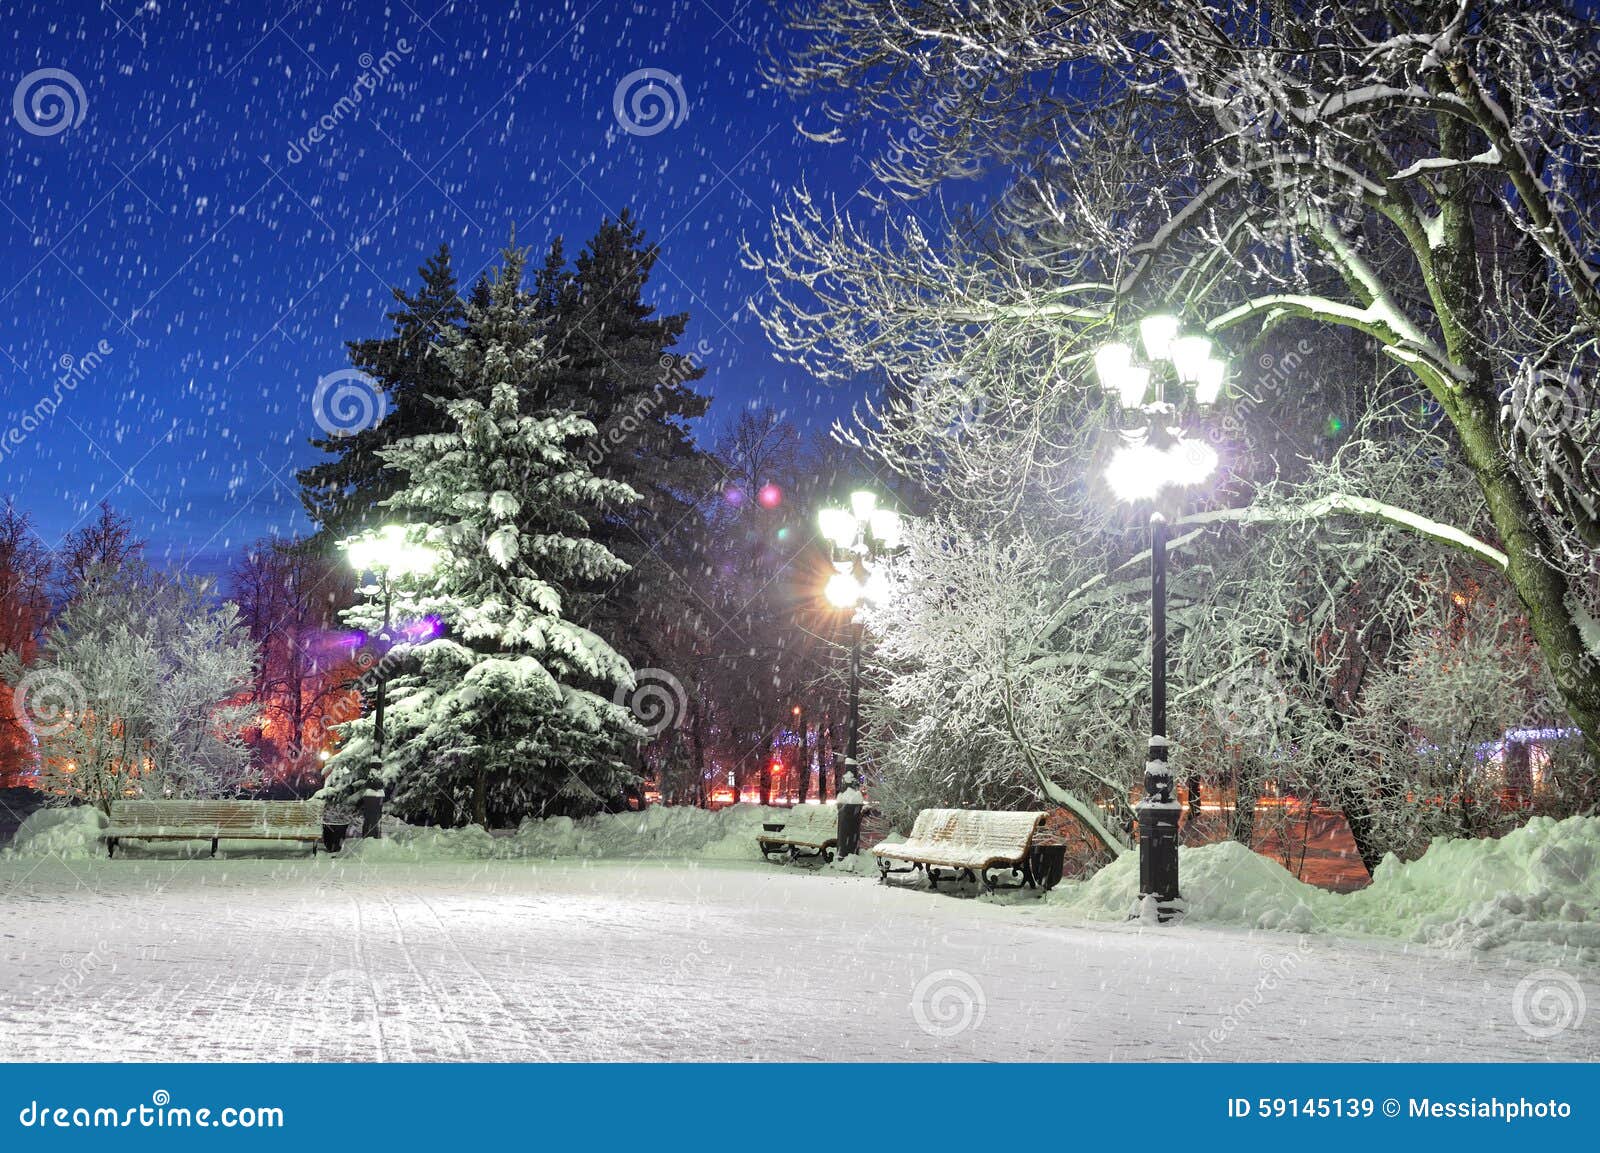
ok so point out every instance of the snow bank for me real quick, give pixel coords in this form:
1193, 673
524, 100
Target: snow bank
72, 834
659, 831
1534, 893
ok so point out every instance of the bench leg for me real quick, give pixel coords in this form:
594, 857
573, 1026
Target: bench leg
213, 846
111, 847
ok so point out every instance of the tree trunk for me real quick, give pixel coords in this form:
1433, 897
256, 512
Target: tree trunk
765, 775
697, 740
1473, 407
1246, 790
480, 798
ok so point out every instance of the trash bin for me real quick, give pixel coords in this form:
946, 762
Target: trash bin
371, 812
333, 834
1046, 860
849, 830
850, 803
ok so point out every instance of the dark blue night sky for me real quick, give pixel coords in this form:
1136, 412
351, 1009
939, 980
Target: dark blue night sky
223, 257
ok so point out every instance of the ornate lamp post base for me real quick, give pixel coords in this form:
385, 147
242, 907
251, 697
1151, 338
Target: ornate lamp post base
1158, 858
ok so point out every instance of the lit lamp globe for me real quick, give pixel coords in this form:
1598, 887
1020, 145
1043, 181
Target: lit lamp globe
842, 590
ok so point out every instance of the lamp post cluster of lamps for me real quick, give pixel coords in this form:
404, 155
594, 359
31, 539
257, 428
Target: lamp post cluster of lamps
861, 536
1151, 461
389, 554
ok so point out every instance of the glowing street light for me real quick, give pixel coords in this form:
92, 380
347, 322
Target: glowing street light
861, 536
388, 553
1150, 462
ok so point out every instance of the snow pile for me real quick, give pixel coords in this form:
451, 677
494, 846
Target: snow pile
72, 834
1534, 893
659, 831
403, 842
666, 831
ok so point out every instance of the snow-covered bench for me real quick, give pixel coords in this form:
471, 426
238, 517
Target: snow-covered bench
809, 830
213, 821
969, 842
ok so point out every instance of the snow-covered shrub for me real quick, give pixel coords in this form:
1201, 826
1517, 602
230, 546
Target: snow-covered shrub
139, 689
1430, 724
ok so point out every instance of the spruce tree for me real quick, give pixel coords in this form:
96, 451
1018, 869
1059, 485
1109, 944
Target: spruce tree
343, 493
617, 364
510, 710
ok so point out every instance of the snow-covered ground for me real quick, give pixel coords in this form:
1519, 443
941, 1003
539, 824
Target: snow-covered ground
289, 958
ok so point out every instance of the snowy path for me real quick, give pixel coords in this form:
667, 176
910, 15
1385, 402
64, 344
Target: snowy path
294, 959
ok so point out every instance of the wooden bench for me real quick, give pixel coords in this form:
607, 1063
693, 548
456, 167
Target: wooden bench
214, 821
968, 842
807, 830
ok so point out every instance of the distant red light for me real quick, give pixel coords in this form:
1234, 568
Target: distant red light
770, 496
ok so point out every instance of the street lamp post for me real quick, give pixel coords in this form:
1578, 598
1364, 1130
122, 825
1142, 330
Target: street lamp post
1151, 461
862, 536
388, 554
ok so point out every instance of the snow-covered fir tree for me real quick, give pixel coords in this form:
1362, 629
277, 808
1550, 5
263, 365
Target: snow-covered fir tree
510, 710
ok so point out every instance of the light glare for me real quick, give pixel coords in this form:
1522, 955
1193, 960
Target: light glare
1158, 333
842, 590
